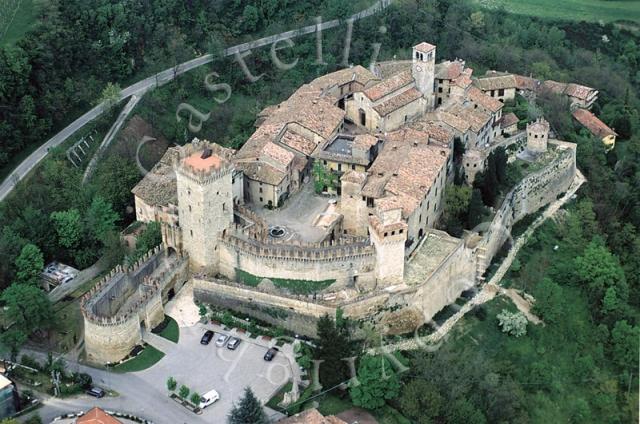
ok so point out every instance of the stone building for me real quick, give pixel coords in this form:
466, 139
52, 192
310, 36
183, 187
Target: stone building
501, 86
373, 250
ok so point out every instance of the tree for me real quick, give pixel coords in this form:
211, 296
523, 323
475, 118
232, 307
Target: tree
171, 384
110, 95
549, 301
463, 412
333, 348
27, 309
68, 227
625, 344
512, 323
421, 401
195, 398
377, 383
599, 269
101, 219
477, 210
183, 392
29, 265
250, 17
501, 164
248, 411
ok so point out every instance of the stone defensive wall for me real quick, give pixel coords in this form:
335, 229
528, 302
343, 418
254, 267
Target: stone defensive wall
347, 262
532, 193
127, 297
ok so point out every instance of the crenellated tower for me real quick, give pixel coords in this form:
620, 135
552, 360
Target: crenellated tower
537, 135
205, 201
388, 232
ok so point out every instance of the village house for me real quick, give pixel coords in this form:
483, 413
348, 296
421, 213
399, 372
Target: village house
596, 127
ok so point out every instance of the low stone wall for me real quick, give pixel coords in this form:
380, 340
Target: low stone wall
108, 343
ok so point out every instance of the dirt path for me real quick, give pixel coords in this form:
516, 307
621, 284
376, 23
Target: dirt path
492, 288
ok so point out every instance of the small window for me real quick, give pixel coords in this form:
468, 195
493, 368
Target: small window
224, 207
353, 166
260, 189
189, 208
261, 199
393, 233
191, 232
401, 231
385, 234
501, 92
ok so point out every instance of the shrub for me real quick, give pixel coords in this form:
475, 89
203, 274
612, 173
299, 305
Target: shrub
195, 399
172, 384
184, 392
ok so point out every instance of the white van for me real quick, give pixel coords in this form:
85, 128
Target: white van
208, 398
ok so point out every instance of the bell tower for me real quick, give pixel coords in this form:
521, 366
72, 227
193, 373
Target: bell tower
423, 71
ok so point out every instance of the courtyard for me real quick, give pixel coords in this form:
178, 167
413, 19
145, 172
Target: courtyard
305, 216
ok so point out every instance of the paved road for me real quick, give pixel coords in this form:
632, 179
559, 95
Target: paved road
160, 79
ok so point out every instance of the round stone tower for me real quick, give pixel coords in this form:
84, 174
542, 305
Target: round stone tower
537, 135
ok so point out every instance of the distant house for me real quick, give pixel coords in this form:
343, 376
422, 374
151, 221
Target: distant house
509, 124
580, 95
499, 85
596, 127
311, 416
97, 416
8, 398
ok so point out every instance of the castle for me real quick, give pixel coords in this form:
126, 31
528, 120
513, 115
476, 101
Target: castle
383, 139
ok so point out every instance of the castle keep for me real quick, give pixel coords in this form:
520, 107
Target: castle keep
376, 146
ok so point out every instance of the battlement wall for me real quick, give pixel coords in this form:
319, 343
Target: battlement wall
532, 193
347, 262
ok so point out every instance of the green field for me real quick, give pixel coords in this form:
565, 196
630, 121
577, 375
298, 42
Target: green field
575, 10
16, 18
146, 359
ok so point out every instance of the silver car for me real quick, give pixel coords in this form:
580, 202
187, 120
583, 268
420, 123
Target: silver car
233, 343
222, 340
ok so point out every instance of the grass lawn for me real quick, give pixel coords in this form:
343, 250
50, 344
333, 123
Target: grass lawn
573, 10
171, 332
146, 359
16, 18
294, 286
332, 404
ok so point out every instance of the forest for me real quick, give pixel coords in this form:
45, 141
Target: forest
588, 287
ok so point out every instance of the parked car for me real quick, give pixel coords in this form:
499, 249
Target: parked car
222, 340
233, 343
95, 392
208, 398
271, 353
206, 337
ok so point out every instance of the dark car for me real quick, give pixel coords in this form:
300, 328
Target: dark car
206, 337
233, 343
96, 392
271, 353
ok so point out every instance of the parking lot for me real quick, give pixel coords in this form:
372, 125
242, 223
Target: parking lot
206, 367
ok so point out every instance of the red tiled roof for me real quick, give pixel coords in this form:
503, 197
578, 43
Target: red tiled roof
424, 47
508, 120
487, 102
396, 102
389, 85
97, 416
592, 123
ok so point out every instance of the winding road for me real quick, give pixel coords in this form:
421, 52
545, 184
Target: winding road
161, 78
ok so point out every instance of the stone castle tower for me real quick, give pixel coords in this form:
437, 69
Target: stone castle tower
537, 135
423, 71
388, 234
205, 202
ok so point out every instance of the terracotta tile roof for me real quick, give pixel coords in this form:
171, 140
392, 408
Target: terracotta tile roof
580, 91
311, 416
389, 85
354, 177
526, 83
364, 141
464, 80
592, 123
298, 142
387, 69
197, 162
424, 47
396, 102
451, 120
508, 120
496, 82
437, 131
97, 416
159, 186
405, 170
263, 172
278, 154
388, 203
481, 99
357, 74
449, 70
476, 118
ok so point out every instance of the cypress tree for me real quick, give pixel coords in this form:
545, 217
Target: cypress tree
248, 411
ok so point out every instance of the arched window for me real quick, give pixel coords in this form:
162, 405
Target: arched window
363, 117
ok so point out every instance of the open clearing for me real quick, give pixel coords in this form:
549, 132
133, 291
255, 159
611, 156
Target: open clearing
575, 10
